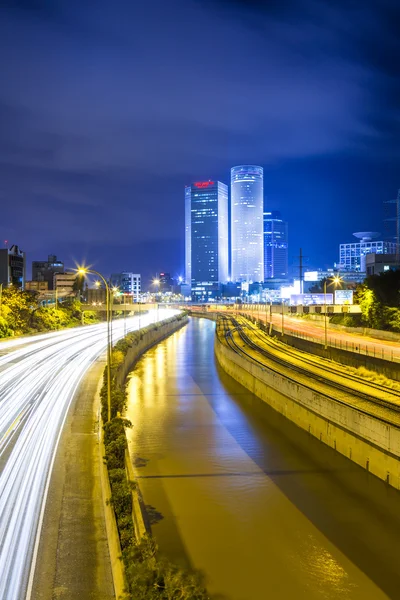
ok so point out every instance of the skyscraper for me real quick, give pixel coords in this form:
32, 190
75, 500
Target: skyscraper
206, 237
275, 245
247, 201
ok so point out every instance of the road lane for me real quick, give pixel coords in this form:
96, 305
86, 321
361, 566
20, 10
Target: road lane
38, 380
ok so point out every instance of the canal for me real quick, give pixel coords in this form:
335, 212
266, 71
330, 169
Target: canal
237, 491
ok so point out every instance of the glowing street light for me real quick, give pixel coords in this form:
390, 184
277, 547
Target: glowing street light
84, 271
334, 281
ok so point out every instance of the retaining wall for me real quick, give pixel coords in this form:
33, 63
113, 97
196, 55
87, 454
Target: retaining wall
368, 441
149, 339
345, 357
117, 566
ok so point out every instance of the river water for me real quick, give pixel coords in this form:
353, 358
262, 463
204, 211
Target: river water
237, 491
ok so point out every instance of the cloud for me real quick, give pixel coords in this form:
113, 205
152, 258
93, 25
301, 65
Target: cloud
107, 110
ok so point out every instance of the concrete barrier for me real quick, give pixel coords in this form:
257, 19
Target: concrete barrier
117, 567
149, 339
369, 441
114, 546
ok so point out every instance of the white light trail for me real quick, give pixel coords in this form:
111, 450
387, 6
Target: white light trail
38, 378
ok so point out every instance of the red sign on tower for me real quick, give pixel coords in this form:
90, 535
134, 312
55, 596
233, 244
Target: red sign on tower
203, 184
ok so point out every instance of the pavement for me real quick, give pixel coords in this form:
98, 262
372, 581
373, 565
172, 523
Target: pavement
73, 559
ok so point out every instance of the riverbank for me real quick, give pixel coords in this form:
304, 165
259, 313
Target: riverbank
137, 568
368, 433
238, 491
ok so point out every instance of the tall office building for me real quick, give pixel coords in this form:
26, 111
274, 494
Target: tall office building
247, 207
12, 267
45, 270
206, 243
275, 245
352, 255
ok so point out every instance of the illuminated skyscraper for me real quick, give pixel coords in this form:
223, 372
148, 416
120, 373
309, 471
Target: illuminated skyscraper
275, 245
206, 243
247, 201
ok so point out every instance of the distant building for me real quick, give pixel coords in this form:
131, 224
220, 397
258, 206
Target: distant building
96, 296
127, 283
45, 270
231, 290
352, 255
166, 282
206, 218
36, 286
64, 283
12, 267
380, 263
275, 245
247, 207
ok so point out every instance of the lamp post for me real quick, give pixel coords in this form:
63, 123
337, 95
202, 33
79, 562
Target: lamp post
283, 319
335, 281
157, 283
84, 271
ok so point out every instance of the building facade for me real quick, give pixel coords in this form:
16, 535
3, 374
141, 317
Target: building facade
206, 218
247, 207
275, 245
45, 270
12, 267
352, 255
127, 283
381, 263
166, 282
65, 284
36, 286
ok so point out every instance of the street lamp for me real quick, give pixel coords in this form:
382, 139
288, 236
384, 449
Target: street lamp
157, 283
84, 271
334, 281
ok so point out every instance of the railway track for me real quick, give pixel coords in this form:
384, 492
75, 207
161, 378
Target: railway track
232, 325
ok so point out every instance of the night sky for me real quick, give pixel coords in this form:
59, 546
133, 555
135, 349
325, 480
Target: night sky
108, 108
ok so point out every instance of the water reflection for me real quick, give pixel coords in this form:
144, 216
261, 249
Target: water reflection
265, 510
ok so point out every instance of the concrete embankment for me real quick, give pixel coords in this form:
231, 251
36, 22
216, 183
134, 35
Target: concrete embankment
151, 337
370, 441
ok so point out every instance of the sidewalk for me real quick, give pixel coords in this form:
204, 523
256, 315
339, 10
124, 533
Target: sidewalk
73, 560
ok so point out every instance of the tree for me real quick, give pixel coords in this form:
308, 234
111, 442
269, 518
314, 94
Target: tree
386, 287
17, 308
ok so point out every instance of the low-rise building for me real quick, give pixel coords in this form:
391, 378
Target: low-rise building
36, 286
127, 283
64, 284
380, 263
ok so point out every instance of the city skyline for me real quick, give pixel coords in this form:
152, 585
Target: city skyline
98, 173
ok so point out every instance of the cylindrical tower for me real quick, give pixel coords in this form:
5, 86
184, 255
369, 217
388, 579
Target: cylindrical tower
247, 207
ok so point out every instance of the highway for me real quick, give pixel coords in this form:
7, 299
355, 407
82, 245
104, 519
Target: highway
39, 376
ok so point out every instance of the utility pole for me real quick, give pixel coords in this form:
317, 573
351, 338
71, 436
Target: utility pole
300, 266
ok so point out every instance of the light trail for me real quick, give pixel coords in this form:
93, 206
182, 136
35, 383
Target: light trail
38, 379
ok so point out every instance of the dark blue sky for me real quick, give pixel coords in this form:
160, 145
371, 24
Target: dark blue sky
107, 109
